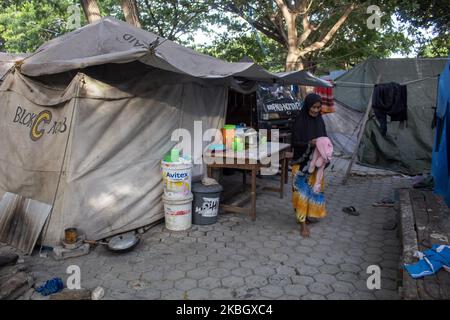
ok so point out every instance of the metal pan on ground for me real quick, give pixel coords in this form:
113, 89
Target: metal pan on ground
120, 243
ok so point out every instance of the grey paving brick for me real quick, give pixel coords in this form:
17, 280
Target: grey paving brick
279, 279
196, 258
185, 266
174, 294
325, 278
296, 290
132, 275
271, 291
256, 281
329, 269
162, 284
175, 275
153, 275
116, 284
350, 267
219, 273
285, 270
229, 264
263, 271
149, 294
303, 280
185, 284
313, 296
242, 272
320, 288
313, 261
222, 293
338, 296
199, 273
306, 270
343, 287
209, 283
198, 294
279, 257
232, 282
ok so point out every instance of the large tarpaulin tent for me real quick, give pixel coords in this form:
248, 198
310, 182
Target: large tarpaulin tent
441, 149
7, 61
86, 119
406, 150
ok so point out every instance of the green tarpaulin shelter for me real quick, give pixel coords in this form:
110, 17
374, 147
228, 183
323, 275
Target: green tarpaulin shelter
404, 149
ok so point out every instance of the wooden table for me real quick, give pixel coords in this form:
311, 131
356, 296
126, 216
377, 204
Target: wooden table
249, 160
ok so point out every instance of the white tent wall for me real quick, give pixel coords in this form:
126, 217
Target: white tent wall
406, 150
111, 180
31, 168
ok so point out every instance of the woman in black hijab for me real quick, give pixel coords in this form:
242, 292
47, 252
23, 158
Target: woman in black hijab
308, 126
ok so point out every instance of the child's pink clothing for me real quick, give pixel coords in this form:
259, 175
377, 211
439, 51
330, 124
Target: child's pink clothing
321, 156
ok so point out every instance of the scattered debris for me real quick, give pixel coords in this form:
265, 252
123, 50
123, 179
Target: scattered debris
98, 293
60, 253
14, 280
8, 259
386, 202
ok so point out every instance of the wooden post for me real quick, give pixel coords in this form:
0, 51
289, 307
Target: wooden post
360, 134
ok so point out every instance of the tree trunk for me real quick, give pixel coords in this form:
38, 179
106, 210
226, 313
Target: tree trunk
292, 60
131, 12
91, 10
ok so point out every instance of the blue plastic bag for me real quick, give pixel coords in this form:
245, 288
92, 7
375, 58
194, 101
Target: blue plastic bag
51, 286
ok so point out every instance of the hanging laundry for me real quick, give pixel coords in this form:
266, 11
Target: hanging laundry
430, 261
389, 99
327, 98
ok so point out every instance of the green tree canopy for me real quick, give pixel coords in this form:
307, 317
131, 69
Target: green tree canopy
27, 24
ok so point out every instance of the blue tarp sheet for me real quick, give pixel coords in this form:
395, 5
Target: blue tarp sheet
441, 149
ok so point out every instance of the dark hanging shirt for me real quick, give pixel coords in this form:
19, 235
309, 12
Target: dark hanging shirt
389, 99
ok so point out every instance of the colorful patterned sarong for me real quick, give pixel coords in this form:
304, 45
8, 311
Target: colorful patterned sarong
306, 202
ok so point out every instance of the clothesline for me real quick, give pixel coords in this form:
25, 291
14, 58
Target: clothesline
371, 85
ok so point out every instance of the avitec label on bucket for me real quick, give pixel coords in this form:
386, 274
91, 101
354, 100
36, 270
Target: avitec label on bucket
209, 207
176, 178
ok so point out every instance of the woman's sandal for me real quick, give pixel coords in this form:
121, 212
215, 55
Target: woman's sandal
351, 211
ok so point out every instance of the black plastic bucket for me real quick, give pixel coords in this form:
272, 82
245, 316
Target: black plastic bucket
205, 206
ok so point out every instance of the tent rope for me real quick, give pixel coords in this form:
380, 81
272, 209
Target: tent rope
371, 85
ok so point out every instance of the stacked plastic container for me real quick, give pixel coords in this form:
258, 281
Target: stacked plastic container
177, 198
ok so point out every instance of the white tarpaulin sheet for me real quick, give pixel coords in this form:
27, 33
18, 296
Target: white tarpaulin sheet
114, 41
111, 180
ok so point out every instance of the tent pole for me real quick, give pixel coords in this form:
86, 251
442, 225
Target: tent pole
360, 134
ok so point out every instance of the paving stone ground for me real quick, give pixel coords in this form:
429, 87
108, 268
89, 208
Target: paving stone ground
237, 258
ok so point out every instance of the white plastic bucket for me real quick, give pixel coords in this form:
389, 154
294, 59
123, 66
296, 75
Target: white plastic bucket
178, 213
177, 177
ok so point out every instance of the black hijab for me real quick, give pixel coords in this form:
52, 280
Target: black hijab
307, 127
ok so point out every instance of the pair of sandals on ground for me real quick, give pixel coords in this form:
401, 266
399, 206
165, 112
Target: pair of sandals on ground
383, 203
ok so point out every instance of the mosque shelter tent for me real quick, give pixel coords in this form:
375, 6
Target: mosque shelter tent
86, 119
403, 149
441, 149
